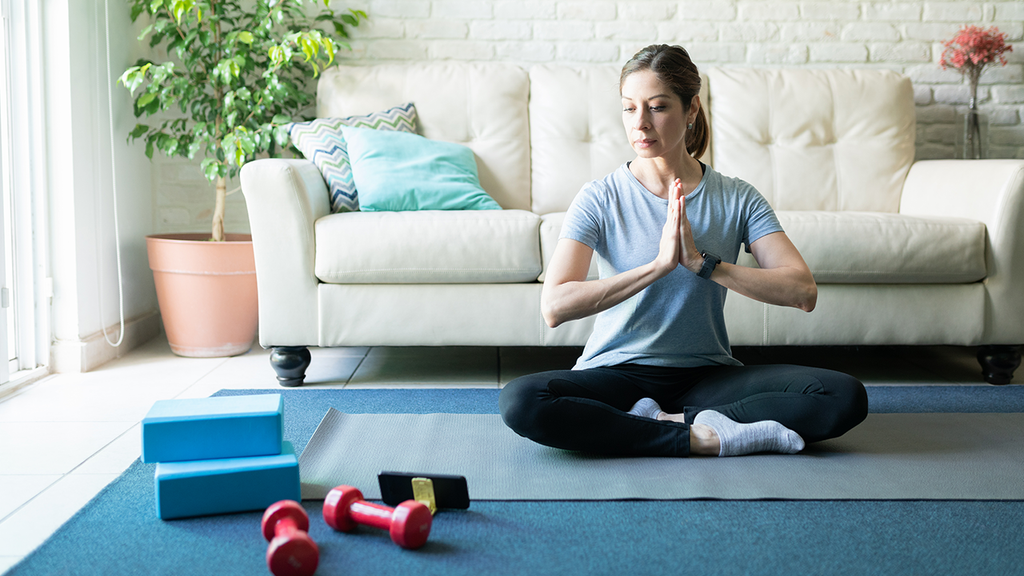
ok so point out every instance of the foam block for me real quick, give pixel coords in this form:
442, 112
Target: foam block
221, 427
205, 487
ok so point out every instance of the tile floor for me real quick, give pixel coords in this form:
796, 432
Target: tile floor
63, 438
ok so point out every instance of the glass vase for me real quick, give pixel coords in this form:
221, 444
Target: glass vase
972, 134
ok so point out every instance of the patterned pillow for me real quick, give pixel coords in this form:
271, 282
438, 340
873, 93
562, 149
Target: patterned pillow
321, 141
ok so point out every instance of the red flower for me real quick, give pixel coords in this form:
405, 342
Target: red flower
973, 48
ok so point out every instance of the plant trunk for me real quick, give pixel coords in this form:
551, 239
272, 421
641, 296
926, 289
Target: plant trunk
218, 209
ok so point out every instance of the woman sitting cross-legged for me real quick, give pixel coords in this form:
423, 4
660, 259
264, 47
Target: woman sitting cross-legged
657, 376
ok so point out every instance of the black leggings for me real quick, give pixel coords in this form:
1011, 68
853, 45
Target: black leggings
585, 410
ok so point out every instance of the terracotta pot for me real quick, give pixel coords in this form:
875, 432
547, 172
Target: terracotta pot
206, 291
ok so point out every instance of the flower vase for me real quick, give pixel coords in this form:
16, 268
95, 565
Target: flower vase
972, 133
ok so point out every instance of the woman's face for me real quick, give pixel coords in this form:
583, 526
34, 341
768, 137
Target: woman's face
653, 116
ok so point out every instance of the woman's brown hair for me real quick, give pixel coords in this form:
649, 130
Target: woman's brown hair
673, 67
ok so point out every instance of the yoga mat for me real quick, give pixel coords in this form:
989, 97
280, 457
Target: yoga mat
889, 456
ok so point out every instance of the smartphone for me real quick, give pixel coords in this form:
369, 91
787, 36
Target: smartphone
449, 491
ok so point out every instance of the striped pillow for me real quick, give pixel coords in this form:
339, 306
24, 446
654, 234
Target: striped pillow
321, 141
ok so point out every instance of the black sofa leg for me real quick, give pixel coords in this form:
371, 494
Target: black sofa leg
998, 363
290, 363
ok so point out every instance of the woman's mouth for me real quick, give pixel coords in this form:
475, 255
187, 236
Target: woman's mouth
644, 142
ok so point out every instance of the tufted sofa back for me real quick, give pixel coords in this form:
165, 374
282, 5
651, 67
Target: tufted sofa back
807, 139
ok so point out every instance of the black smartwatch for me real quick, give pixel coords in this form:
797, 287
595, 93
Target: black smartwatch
710, 261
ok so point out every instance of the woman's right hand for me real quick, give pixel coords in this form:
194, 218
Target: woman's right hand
670, 247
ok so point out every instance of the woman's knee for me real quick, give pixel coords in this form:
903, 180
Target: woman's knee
520, 402
851, 399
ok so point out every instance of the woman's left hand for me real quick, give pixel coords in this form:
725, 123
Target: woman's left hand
689, 256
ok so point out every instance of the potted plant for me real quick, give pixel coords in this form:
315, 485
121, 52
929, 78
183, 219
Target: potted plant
969, 52
235, 73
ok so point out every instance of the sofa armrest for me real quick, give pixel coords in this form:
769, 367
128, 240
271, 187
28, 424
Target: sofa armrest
991, 191
285, 198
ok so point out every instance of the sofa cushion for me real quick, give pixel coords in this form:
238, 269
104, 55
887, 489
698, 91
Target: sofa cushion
879, 248
428, 247
550, 229
480, 105
395, 171
815, 139
321, 141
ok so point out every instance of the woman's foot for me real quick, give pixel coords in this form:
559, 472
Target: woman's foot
646, 408
736, 439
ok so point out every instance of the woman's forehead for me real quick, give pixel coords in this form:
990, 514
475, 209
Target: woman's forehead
644, 84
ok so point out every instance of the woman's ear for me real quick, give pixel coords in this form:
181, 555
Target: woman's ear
694, 108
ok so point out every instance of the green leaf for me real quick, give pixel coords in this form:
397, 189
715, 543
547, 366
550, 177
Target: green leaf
245, 37
139, 130
145, 99
281, 119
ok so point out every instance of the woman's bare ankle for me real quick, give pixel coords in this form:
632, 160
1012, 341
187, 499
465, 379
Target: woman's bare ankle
681, 418
704, 441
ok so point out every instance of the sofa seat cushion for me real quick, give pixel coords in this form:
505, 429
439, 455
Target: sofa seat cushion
885, 248
428, 247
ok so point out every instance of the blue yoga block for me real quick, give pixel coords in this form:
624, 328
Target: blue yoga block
226, 485
221, 427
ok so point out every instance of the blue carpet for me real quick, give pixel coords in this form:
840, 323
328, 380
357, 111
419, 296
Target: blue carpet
119, 533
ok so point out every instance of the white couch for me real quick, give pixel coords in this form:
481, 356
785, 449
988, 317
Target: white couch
904, 252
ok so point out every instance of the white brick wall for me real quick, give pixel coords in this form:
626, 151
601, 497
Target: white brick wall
901, 35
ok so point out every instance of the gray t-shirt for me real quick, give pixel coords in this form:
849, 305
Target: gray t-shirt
678, 320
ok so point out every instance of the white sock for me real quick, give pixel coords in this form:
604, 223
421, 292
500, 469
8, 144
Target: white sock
738, 439
646, 408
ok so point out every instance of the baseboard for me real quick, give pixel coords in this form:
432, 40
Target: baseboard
91, 352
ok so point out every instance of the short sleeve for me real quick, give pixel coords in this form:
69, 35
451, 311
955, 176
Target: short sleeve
760, 218
582, 221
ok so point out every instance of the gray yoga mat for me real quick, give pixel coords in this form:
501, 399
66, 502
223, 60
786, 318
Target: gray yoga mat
888, 457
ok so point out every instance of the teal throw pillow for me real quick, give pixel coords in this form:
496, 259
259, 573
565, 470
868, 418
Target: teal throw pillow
321, 141
399, 172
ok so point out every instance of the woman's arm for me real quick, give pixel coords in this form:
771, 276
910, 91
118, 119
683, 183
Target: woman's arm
568, 295
783, 278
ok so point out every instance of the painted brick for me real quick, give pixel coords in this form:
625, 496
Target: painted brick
937, 113
789, 54
1006, 135
933, 152
752, 32
870, 31
437, 29
649, 11
469, 9
529, 51
938, 133
900, 52
829, 11
932, 74
397, 50
714, 10
400, 9
1008, 94
687, 32
1003, 117
930, 31
524, 10
1009, 11
717, 52
587, 10
1009, 74
497, 30
380, 28
953, 12
900, 11
809, 32
958, 94
838, 53
758, 11
622, 30
597, 52
461, 50
563, 30
922, 95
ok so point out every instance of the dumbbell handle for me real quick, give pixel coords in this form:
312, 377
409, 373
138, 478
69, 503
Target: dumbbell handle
371, 514
286, 527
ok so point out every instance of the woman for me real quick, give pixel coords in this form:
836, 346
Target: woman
657, 376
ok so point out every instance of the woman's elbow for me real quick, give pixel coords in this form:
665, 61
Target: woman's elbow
548, 312
810, 297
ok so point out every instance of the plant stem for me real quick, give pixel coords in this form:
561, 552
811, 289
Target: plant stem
218, 209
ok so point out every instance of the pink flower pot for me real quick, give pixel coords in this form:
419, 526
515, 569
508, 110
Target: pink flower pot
206, 291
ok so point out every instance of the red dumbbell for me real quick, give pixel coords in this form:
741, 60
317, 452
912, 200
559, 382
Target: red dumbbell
291, 552
408, 523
